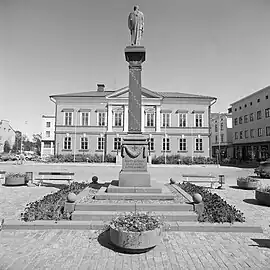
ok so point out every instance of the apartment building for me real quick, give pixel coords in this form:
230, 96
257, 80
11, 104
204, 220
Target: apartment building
221, 135
47, 135
7, 134
251, 126
95, 121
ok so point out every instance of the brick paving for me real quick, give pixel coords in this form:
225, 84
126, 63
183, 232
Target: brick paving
68, 249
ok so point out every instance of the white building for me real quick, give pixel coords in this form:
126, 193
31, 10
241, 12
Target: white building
48, 138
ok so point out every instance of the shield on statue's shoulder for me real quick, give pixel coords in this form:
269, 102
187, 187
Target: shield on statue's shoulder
131, 21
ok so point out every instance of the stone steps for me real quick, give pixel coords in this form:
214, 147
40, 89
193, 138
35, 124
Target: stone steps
185, 216
130, 207
133, 196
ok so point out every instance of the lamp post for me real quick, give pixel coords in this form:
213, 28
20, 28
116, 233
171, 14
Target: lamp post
117, 146
219, 138
150, 137
166, 136
84, 136
103, 146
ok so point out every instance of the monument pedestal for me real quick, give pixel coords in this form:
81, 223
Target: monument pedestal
134, 162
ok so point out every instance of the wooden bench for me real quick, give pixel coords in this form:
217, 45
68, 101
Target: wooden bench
61, 176
201, 179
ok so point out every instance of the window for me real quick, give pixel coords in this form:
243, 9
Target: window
166, 119
245, 119
235, 121
266, 97
267, 129
246, 133
165, 144
216, 128
150, 119
198, 119
216, 138
152, 144
222, 138
252, 133
221, 126
182, 119
236, 135
250, 103
259, 132
258, 100
240, 120
67, 143
235, 109
199, 146
48, 124
117, 144
251, 117
182, 144
118, 119
259, 115
84, 143
47, 145
101, 141
267, 112
85, 118
68, 118
245, 105
48, 134
240, 108
102, 119
241, 135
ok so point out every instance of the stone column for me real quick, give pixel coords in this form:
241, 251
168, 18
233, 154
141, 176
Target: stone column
158, 118
125, 118
109, 120
142, 119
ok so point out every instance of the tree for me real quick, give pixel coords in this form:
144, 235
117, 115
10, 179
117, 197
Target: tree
7, 147
37, 142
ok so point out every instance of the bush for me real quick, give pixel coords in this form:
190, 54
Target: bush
215, 208
187, 160
247, 179
51, 206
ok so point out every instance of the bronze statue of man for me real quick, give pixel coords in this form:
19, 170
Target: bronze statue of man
136, 26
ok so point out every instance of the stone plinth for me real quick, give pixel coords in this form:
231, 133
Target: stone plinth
134, 162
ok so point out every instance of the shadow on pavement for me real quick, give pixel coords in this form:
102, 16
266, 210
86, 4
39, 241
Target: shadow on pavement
254, 202
234, 187
104, 240
262, 243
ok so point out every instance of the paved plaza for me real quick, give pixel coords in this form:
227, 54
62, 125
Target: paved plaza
68, 249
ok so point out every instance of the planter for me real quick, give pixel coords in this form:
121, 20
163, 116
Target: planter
15, 181
262, 197
248, 184
135, 240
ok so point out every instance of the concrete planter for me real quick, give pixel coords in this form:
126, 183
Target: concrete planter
262, 197
248, 184
15, 181
135, 240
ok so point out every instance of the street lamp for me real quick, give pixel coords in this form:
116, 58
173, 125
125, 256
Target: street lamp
117, 145
166, 136
75, 123
84, 136
150, 137
103, 148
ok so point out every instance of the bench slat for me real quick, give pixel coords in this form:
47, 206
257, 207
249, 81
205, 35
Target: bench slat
56, 173
198, 176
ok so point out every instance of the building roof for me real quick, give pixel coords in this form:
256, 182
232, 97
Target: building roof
106, 93
253, 94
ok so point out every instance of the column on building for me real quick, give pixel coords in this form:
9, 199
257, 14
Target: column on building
126, 118
158, 118
109, 128
142, 118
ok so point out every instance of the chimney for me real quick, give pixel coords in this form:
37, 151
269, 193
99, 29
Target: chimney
100, 87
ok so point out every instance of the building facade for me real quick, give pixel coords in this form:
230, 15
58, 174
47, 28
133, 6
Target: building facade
221, 135
95, 121
47, 136
7, 134
251, 126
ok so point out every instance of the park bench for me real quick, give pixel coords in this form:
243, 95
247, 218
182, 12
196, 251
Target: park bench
55, 176
195, 178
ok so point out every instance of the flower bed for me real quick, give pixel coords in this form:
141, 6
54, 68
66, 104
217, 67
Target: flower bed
215, 208
247, 182
136, 231
51, 206
263, 196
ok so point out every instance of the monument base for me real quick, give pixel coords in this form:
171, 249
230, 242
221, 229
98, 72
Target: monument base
133, 178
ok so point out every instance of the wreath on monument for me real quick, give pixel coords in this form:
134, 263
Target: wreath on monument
133, 152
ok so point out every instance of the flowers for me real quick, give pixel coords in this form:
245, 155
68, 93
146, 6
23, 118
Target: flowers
247, 179
264, 189
136, 222
15, 175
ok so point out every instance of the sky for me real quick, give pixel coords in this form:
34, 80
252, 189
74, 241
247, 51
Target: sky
208, 47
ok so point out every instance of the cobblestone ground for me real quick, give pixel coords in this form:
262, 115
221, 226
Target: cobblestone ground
65, 249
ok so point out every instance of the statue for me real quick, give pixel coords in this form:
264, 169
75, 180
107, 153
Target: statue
136, 26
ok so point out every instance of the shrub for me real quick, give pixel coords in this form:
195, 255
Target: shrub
264, 189
187, 160
247, 179
215, 208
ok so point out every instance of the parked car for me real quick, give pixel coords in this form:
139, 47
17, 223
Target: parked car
8, 156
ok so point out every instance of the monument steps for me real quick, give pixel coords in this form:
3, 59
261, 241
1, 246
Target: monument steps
129, 207
183, 216
133, 196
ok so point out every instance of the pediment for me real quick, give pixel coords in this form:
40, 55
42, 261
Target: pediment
123, 93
